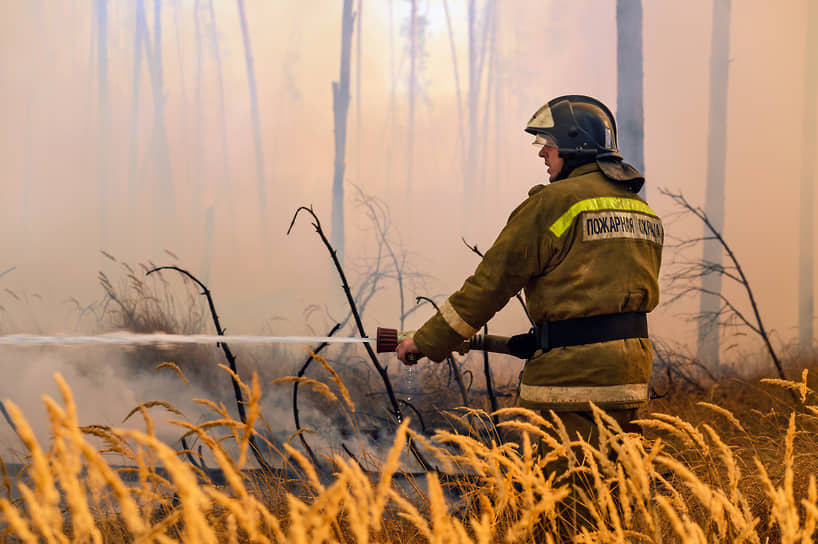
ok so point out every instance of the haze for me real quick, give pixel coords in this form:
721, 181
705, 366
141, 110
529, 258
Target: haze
76, 180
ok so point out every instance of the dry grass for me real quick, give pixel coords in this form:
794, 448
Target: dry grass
725, 475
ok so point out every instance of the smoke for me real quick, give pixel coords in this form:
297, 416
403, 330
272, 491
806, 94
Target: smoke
104, 387
50, 155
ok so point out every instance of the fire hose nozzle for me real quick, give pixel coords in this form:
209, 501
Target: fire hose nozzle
387, 340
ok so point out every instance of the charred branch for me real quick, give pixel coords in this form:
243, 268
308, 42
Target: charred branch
301, 373
8, 418
351, 455
490, 381
228, 354
353, 307
417, 413
379, 216
195, 460
727, 307
470, 374
675, 365
382, 372
377, 272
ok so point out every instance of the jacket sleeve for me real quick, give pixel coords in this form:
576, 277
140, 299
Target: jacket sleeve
517, 255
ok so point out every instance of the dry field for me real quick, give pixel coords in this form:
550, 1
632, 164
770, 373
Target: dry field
733, 463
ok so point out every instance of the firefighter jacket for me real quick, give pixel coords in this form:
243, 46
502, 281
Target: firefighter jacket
581, 246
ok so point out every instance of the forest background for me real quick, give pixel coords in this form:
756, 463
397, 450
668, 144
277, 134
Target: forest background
136, 134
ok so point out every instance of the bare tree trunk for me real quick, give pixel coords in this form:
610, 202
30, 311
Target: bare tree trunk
708, 337
806, 309
456, 70
477, 57
251, 79
104, 118
393, 72
164, 198
90, 89
183, 87
358, 70
410, 148
471, 149
630, 83
499, 99
490, 35
139, 37
198, 184
226, 182
340, 108
28, 177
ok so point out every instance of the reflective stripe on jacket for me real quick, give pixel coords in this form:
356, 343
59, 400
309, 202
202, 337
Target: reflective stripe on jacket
578, 247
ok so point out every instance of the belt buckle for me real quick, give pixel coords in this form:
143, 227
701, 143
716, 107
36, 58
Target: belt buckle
542, 336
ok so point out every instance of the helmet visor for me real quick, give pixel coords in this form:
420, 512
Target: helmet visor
545, 140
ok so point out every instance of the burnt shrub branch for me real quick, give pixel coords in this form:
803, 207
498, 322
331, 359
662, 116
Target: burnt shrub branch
228, 354
382, 371
687, 275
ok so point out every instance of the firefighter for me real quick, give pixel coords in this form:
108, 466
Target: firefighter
586, 250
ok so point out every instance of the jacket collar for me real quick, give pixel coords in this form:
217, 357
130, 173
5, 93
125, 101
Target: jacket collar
578, 171
584, 169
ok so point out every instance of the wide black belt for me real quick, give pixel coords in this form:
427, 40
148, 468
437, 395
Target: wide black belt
590, 330
578, 332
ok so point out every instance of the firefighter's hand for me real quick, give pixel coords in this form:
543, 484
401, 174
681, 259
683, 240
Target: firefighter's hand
406, 347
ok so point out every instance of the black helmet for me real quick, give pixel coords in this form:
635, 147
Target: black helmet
584, 130
583, 127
